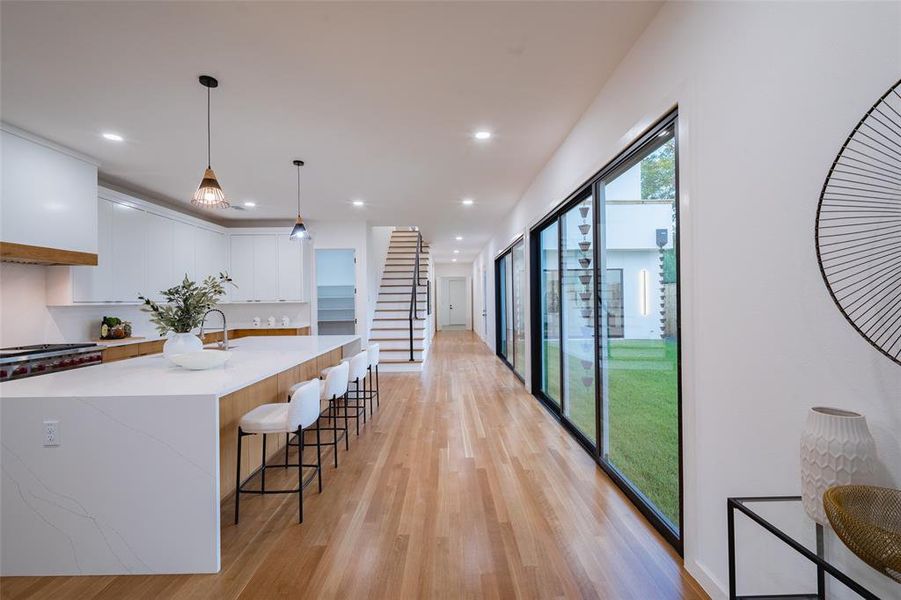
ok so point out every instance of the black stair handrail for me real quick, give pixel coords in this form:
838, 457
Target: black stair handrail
413, 289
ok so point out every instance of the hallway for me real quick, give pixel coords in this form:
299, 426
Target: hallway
462, 485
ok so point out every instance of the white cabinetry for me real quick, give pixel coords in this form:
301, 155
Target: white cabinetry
159, 246
241, 270
268, 267
48, 194
144, 249
290, 269
211, 253
92, 284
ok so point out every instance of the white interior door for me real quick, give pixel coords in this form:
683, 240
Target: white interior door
456, 302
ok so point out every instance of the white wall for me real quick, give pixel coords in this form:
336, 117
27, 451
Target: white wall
444, 270
767, 93
378, 242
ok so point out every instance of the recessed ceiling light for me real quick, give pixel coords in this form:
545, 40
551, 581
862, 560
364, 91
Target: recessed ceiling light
113, 137
482, 135
459, 238
452, 260
456, 252
358, 203
250, 204
467, 202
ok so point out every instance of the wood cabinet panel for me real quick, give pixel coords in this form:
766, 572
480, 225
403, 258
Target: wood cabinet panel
120, 352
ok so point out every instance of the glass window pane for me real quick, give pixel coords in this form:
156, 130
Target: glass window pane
549, 296
518, 256
502, 307
508, 308
640, 358
578, 318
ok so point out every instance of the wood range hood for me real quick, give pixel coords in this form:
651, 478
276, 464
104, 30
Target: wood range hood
39, 255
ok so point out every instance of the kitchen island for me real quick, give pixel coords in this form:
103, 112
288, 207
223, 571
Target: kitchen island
145, 454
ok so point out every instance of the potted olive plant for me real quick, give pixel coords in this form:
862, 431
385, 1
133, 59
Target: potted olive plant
183, 310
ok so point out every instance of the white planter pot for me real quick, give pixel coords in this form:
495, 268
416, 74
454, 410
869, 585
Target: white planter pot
836, 449
181, 343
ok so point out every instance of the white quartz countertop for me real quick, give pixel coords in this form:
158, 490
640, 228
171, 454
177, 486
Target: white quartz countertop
253, 359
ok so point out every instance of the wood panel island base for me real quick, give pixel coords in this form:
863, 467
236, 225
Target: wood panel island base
143, 453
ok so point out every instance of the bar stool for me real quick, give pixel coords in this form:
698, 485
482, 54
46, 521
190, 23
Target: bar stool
356, 375
283, 417
373, 351
332, 387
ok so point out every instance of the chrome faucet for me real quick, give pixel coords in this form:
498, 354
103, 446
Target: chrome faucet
223, 345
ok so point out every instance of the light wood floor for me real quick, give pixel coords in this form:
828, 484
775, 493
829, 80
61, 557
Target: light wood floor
462, 486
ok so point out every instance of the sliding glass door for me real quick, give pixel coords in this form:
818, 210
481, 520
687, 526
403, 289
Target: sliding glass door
577, 305
605, 313
510, 280
641, 353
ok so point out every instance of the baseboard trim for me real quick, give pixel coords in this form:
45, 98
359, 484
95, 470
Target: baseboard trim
706, 580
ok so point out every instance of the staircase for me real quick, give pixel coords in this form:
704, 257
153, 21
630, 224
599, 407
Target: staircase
391, 324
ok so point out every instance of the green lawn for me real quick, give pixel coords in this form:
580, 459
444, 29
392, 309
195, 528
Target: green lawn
642, 419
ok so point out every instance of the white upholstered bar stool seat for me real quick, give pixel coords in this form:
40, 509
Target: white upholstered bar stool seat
331, 387
295, 416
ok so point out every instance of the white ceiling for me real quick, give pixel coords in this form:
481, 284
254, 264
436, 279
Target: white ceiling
379, 99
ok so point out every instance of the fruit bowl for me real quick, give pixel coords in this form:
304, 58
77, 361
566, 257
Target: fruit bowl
201, 360
868, 520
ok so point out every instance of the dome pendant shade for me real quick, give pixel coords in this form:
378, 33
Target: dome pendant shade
209, 194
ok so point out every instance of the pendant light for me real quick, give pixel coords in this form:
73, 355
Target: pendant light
299, 232
209, 194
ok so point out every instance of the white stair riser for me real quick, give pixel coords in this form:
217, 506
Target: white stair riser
401, 305
396, 334
396, 314
399, 354
400, 344
400, 288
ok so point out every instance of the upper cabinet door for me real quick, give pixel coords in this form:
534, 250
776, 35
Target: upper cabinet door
183, 251
159, 272
48, 195
290, 269
128, 264
265, 268
95, 284
242, 268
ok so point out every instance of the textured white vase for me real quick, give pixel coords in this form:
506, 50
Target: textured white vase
181, 343
836, 449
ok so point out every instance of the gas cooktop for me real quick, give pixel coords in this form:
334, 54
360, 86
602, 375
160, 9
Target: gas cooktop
38, 349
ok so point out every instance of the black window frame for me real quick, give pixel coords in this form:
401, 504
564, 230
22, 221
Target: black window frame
593, 187
498, 289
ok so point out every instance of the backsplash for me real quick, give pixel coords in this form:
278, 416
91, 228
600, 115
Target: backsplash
25, 318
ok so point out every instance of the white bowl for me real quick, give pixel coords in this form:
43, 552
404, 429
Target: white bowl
201, 360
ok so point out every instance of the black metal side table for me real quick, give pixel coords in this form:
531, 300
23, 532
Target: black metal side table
745, 506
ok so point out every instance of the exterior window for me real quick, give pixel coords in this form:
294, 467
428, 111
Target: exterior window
510, 273
605, 322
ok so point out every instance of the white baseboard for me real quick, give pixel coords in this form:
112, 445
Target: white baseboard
714, 588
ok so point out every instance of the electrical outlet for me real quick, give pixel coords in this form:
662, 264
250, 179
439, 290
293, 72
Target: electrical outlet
51, 433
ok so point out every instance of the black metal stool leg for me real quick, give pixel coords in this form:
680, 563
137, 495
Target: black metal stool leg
287, 445
378, 398
363, 397
319, 456
238, 477
299, 475
263, 474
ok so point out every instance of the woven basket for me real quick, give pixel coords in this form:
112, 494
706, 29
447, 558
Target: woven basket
868, 520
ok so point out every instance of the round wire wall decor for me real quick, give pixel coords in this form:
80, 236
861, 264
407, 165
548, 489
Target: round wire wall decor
858, 228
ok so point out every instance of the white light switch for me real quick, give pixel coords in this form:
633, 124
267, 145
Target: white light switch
51, 433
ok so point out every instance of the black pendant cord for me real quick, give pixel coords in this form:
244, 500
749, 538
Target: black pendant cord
209, 144
298, 190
